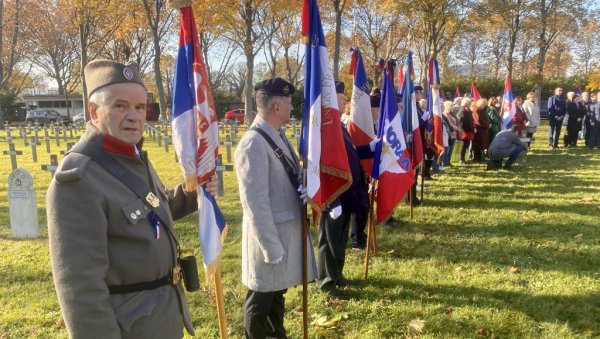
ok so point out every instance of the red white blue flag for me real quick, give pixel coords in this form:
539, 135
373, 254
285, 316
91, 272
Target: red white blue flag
457, 93
436, 106
508, 107
360, 125
410, 118
392, 165
321, 142
195, 135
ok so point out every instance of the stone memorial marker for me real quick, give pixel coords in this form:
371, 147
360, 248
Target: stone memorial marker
64, 133
13, 155
47, 138
22, 205
33, 143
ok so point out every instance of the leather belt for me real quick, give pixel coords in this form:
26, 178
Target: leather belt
173, 278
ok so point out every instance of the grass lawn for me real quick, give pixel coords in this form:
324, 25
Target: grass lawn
489, 254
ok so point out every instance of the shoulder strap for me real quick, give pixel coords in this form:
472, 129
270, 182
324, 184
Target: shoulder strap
128, 178
280, 155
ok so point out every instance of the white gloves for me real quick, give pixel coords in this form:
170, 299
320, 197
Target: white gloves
277, 261
303, 194
335, 212
373, 144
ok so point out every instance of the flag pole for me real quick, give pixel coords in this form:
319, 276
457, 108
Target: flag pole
220, 304
304, 258
372, 219
370, 229
422, 181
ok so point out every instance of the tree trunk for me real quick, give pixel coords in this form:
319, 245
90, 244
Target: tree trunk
338, 35
158, 78
84, 60
249, 86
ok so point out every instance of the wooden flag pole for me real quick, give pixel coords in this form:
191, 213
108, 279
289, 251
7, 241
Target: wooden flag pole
220, 304
370, 229
372, 218
304, 258
422, 182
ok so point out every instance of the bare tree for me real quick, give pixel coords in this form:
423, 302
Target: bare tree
159, 19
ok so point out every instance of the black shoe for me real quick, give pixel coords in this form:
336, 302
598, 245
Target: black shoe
335, 293
343, 282
428, 177
358, 248
492, 166
508, 168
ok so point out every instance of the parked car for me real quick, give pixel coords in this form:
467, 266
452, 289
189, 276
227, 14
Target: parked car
78, 118
46, 116
237, 114
544, 109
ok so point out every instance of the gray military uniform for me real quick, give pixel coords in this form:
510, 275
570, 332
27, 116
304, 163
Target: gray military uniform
272, 222
100, 235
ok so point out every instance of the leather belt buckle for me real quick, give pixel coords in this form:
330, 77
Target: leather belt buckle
175, 275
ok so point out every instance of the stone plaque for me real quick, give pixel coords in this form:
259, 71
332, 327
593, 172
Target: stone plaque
22, 205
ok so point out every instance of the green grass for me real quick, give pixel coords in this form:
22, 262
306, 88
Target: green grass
489, 254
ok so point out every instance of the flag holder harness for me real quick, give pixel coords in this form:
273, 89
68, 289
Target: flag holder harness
137, 186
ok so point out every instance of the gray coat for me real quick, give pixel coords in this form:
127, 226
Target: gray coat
503, 144
272, 222
100, 235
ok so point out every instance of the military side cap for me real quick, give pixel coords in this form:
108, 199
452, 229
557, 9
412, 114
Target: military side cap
102, 72
418, 88
339, 87
275, 86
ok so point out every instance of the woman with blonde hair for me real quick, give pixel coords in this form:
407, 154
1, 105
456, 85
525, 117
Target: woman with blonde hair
532, 111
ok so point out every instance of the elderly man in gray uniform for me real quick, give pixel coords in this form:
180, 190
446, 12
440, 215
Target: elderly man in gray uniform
272, 198
114, 253
506, 144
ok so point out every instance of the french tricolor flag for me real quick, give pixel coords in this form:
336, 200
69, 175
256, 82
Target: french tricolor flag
391, 164
360, 125
508, 107
410, 119
195, 135
321, 142
436, 106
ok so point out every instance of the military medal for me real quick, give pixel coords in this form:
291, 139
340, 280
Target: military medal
152, 200
155, 222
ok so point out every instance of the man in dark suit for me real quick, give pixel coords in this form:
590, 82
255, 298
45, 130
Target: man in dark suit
557, 109
335, 220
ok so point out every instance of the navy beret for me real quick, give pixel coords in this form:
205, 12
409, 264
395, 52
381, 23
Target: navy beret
339, 87
418, 88
275, 86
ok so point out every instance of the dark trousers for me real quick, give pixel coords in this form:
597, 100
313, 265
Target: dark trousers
512, 157
447, 156
463, 149
594, 136
359, 223
263, 314
587, 129
530, 136
333, 236
554, 132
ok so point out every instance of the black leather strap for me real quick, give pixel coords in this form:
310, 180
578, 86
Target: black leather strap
137, 287
281, 156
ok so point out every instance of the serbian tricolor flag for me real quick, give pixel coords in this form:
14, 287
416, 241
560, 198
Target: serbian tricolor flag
474, 93
195, 136
457, 93
391, 163
321, 142
436, 106
360, 125
508, 107
410, 118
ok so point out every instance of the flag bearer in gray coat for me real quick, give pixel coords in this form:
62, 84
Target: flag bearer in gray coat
272, 198
114, 254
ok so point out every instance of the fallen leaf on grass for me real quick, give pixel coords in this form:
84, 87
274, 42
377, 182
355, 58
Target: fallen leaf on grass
323, 322
562, 248
587, 199
578, 236
391, 252
58, 324
458, 269
415, 326
481, 331
298, 311
512, 269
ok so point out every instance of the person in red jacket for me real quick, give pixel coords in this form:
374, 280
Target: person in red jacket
520, 118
